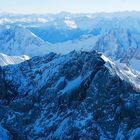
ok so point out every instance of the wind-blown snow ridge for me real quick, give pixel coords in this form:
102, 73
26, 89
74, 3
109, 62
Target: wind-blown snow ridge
6, 60
124, 72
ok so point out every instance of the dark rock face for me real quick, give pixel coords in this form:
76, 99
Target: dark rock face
75, 96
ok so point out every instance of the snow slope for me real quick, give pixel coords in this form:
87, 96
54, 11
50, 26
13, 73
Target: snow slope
132, 58
124, 71
86, 42
6, 60
20, 41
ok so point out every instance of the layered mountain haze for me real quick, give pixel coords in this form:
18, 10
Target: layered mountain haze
70, 76
112, 34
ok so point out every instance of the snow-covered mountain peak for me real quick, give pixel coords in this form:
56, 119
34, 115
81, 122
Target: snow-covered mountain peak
74, 95
20, 41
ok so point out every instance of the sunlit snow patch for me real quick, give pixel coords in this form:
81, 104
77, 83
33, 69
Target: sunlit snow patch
70, 23
6, 60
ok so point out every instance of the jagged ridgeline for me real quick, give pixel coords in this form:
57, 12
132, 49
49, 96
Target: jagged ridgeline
75, 96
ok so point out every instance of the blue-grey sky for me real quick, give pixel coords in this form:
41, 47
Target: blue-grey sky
75, 6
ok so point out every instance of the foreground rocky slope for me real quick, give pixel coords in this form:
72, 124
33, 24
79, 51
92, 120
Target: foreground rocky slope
75, 96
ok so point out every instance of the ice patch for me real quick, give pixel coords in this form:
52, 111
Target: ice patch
72, 85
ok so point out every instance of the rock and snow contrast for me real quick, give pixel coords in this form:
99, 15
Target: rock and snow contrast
73, 96
132, 58
70, 76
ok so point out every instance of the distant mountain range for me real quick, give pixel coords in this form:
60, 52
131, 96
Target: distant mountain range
20, 41
115, 44
70, 76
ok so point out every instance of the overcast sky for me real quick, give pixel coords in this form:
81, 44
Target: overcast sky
75, 6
